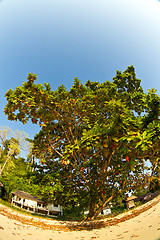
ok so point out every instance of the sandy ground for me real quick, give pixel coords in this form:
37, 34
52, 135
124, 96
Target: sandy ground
141, 224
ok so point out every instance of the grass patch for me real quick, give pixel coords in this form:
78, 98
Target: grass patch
71, 218
116, 210
38, 215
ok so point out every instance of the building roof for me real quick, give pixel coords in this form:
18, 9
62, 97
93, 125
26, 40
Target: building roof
130, 198
28, 196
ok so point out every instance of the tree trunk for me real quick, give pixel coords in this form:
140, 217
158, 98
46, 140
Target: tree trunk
95, 209
1, 169
92, 211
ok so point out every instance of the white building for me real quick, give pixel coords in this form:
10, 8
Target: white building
32, 203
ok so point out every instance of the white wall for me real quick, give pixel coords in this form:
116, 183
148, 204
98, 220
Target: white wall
51, 207
30, 203
22, 201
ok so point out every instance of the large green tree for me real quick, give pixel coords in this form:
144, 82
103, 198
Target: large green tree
90, 142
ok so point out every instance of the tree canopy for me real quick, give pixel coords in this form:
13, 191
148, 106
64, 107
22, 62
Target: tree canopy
94, 138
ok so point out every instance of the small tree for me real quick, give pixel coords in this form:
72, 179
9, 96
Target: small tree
11, 145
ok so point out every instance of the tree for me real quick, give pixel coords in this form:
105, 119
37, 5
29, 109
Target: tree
15, 171
17, 175
10, 151
88, 144
11, 145
155, 178
149, 139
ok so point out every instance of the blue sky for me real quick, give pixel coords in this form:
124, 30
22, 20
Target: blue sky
89, 39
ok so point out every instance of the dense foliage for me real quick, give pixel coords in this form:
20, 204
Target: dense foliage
15, 171
94, 139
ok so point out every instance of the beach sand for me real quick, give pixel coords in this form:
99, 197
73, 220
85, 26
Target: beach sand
142, 223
